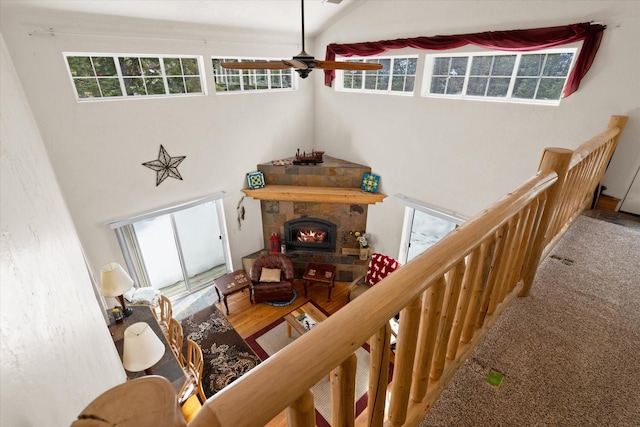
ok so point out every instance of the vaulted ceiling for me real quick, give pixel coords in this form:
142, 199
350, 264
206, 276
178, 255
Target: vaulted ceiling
281, 16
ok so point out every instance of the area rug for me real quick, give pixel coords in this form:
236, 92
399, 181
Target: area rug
226, 355
271, 339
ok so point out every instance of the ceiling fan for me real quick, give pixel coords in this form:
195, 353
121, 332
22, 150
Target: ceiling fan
302, 62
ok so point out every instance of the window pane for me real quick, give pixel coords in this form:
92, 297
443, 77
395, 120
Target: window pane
135, 86
190, 67
262, 82
438, 84
287, 81
498, 87
172, 66
550, 89
370, 82
426, 230
87, 88
104, 66
477, 86
412, 66
458, 66
383, 82
176, 85
530, 65
503, 65
234, 83
481, 65
557, 64
249, 82
276, 80
80, 66
409, 84
155, 86
525, 88
397, 83
151, 66
159, 252
193, 84
130, 66
454, 87
441, 66
400, 66
386, 66
110, 87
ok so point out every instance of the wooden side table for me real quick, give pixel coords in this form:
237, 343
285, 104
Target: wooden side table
320, 273
230, 284
296, 318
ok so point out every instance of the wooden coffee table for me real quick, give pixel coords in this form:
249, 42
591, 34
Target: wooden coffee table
230, 284
320, 273
303, 318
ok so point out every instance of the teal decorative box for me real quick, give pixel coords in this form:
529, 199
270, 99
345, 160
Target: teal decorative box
370, 182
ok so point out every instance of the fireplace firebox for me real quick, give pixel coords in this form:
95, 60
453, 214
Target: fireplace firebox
310, 234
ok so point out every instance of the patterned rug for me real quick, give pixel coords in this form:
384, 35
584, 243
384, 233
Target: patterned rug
226, 355
272, 338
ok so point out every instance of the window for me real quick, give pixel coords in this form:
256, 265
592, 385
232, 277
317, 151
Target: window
250, 80
537, 77
397, 75
178, 250
124, 76
424, 226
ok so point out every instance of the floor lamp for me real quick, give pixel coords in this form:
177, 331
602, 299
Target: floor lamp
114, 282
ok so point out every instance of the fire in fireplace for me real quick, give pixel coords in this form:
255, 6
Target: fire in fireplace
311, 234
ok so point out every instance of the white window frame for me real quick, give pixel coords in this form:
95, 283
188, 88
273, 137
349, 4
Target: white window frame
250, 74
121, 77
340, 74
428, 75
411, 205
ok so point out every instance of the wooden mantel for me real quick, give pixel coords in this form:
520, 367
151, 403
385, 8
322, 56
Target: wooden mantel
296, 193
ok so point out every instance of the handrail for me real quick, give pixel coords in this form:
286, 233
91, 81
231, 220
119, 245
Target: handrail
448, 298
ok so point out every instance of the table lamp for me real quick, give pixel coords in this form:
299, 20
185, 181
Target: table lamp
114, 282
142, 348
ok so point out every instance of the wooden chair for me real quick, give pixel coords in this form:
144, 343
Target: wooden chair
194, 366
166, 313
176, 337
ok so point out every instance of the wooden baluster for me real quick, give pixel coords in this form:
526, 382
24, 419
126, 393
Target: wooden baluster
380, 353
428, 333
504, 264
454, 285
486, 257
470, 273
302, 412
403, 368
492, 275
343, 393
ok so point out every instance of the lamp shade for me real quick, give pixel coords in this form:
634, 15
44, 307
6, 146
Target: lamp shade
114, 281
142, 347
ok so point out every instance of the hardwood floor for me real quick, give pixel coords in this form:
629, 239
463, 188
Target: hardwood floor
249, 318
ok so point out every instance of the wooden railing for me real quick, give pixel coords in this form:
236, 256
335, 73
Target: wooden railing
448, 299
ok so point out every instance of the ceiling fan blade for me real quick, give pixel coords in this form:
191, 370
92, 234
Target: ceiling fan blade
257, 65
294, 63
343, 65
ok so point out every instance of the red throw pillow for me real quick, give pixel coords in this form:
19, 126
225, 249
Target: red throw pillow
379, 267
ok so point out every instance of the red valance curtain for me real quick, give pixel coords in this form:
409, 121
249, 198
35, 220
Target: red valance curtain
514, 40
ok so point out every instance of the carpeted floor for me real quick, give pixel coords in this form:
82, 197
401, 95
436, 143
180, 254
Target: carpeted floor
226, 355
569, 352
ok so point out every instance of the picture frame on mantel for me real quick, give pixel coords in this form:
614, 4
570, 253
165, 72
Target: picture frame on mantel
370, 183
255, 180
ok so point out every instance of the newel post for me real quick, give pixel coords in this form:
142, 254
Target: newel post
558, 160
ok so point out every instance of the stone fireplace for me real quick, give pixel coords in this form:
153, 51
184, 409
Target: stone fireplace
338, 214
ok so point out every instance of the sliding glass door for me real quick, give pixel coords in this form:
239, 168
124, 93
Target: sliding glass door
179, 251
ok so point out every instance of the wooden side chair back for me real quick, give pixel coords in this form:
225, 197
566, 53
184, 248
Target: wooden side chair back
176, 337
194, 366
166, 313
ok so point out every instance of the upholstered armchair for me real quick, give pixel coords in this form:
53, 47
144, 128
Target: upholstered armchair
271, 278
379, 267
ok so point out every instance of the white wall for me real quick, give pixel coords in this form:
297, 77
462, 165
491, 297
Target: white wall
56, 351
97, 148
463, 155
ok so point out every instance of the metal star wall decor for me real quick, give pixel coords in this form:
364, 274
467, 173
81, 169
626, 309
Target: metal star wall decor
166, 166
